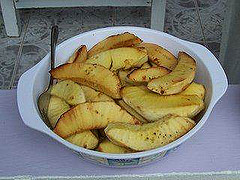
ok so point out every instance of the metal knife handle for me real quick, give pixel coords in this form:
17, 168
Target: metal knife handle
54, 38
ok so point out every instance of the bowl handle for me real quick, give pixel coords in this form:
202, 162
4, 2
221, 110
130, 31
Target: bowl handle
218, 75
25, 103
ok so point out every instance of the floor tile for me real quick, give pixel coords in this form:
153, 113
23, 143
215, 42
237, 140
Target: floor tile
31, 55
206, 4
38, 32
2, 28
38, 28
69, 17
65, 32
212, 16
135, 16
183, 21
8, 57
86, 28
97, 15
8, 41
214, 47
212, 26
183, 3
24, 15
9, 51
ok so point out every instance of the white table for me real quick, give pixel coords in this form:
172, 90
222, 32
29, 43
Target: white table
9, 8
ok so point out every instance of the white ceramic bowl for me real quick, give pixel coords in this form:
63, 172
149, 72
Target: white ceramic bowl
33, 82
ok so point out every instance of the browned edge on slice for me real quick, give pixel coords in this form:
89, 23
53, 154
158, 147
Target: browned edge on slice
115, 41
85, 139
94, 76
79, 55
149, 136
178, 80
160, 56
145, 75
131, 111
91, 115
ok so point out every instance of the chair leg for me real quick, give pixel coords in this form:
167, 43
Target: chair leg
158, 14
10, 17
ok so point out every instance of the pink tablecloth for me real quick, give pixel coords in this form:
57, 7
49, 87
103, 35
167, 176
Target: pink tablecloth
23, 151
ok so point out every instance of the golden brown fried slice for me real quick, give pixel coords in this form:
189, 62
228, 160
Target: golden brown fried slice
120, 58
94, 76
146, 65
123, 76
85, 139
131, 111
178, 80
194, 89
107, 146
92, 95
56, 108
87, 116
79, 55
153, 64
160, 56
115, 41
145, 75
95, 132
149, 136
70, 91
153, 106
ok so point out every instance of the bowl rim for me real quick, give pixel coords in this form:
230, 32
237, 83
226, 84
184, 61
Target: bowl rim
169, 146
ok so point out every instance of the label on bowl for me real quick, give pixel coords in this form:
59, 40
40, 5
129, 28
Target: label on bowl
93, 158
147, 159
123, 162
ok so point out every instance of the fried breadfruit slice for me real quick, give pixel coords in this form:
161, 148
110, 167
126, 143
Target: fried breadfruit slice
94, 76
56, 108
88, 116
85, 139
107, 146
149, 136
79, 55
145, 75
160, 56
131, 111
70, 91
95, 132
125, 81
115, 41
120, 58
92, 95
194, 89
122, 76
153, 106
178, 80
146, 65
153, 64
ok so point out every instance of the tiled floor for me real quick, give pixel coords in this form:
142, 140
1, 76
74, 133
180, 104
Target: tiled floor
195, 20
